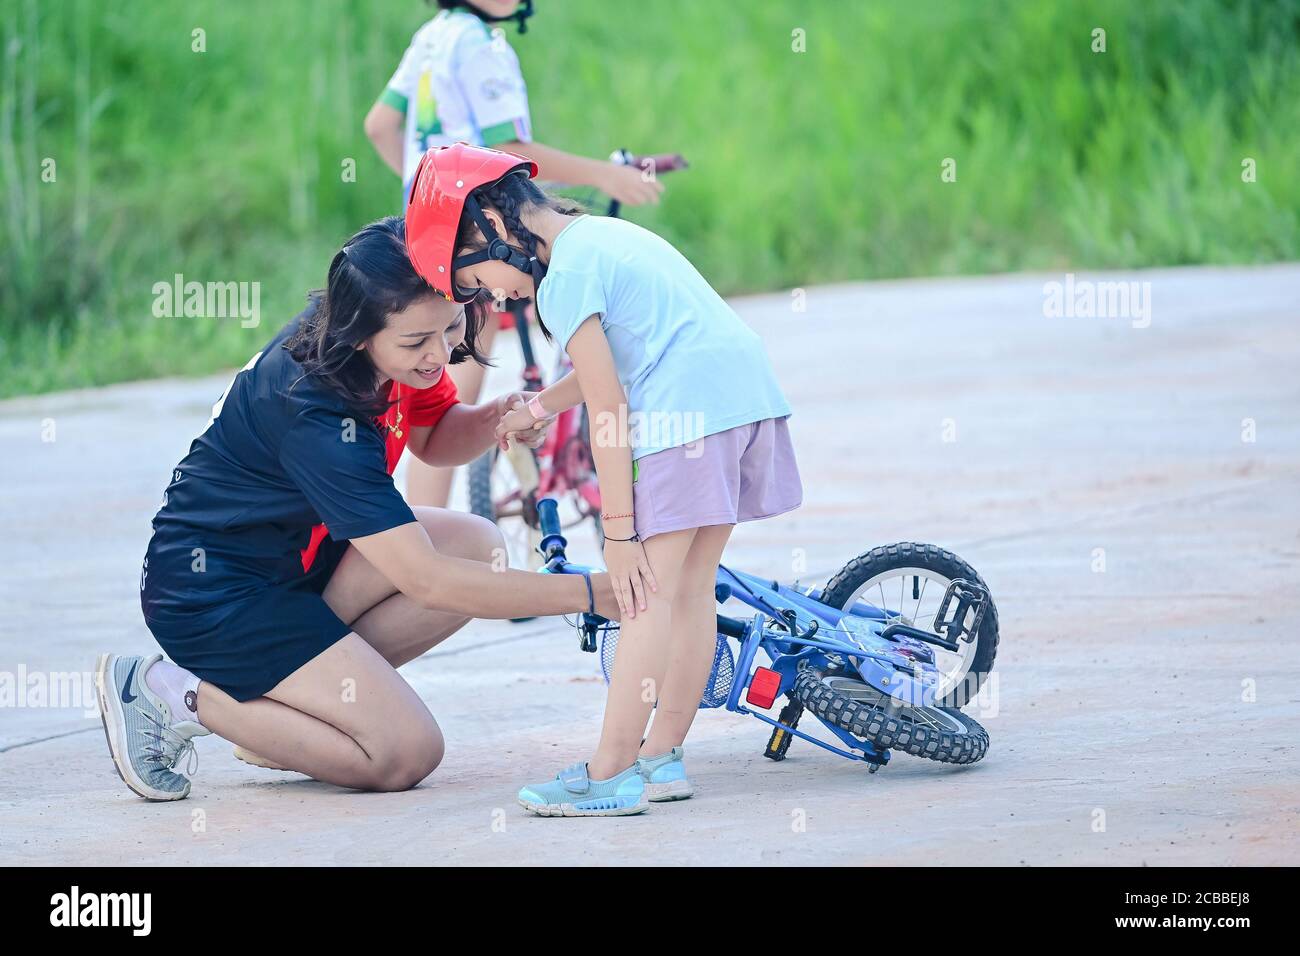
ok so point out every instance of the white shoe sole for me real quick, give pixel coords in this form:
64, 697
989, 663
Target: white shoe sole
114, 720
665, 792
569, 810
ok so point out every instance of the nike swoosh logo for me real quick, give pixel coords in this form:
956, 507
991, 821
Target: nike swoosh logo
126, 688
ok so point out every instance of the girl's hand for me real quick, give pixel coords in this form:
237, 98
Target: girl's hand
629, 574
520, 419
517, 422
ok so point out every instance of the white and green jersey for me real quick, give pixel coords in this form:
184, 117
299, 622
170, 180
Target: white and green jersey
458, 82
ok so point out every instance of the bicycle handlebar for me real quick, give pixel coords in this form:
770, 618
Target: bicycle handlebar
548, 515
552, 547
655, 162
732, 627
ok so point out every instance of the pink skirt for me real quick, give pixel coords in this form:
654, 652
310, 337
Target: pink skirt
741, 474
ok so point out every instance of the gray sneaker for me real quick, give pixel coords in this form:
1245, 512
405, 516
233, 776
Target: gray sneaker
145, 744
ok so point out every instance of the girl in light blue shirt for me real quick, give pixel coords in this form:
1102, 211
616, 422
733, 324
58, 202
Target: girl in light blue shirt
689, 437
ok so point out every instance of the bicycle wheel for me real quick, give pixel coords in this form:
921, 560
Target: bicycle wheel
935, 733
909, 580
494, 493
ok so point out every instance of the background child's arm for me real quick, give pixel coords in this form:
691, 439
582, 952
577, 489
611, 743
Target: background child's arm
385, 124
385, 128
624, 183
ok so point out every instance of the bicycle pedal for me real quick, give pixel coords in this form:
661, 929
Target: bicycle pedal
781, 738
968, 597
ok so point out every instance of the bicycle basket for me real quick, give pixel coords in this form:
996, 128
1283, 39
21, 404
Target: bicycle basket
716, 690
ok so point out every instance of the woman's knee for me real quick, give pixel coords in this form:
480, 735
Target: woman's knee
490, 542
405, 759
397, 772
463, 535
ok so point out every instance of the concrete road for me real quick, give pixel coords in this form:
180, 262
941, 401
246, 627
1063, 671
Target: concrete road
1129, 486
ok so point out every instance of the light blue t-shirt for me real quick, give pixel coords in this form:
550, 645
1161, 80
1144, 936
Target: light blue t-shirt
689, 365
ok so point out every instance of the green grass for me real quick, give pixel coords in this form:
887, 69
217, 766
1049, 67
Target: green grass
806, 167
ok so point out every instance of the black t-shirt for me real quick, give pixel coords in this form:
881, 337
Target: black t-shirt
281, 454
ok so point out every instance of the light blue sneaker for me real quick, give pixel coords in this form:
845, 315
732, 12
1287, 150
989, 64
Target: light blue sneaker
145, 743
574, 794
665, 777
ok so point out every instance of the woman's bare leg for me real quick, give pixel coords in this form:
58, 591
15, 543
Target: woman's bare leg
694, 638
641, 659
303, 735
344, 717
430, 485
399, 628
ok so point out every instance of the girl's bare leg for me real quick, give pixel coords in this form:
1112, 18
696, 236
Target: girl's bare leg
430, 485
694, 637
642, 659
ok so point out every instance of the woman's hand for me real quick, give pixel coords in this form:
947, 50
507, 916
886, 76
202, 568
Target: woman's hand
629, 574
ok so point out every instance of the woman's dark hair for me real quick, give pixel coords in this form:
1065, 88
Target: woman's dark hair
510, 198
370, 278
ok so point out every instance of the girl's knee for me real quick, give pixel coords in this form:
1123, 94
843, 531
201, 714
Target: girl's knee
693, 591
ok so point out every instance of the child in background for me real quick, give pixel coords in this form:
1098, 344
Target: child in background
688, 426
460, 82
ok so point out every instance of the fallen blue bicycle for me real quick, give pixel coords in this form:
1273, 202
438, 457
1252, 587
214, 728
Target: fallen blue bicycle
884, 655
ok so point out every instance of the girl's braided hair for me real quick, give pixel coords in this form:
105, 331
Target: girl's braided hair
510, 198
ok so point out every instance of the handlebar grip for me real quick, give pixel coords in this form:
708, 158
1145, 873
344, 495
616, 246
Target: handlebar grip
731, 627
660, 162
665, 162
548, 515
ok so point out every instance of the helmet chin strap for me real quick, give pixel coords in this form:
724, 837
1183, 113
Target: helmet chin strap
520, 16
498, 250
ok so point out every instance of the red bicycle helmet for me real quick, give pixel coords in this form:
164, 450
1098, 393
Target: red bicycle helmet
442, 190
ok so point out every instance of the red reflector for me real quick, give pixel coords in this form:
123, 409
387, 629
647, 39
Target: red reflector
763, 687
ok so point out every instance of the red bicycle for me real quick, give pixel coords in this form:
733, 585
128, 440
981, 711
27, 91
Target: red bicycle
506, 486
